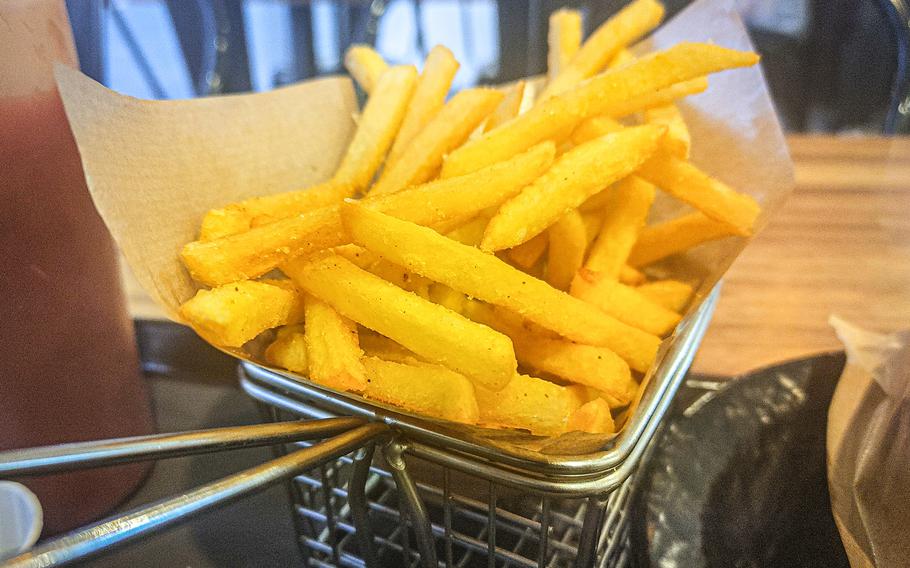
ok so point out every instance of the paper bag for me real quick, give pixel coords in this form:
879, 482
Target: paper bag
869, 447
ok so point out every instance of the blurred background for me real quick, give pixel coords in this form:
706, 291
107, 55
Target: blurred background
833, 65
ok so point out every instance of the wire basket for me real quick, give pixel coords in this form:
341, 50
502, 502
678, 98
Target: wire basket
425, 498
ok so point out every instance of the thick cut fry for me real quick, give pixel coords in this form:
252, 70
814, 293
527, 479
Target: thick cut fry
509, 107
432, 331
377, 127
333, 352
296, 314
483, 276
631, 276
556, 117
711, 196
381, 347
288, 351
365, 65
563, 40
445, 296
677, 141
568, 241
625, 215
594, 127
233, 314
622, 57
593, 417
528, 403
255, 252
597, 367
239, 217
625, 28
425, 389
574, 177
593, 221
528, 254
671, 237
471, 232
624, 303
429, 96
671, 294
438, 201
421, 158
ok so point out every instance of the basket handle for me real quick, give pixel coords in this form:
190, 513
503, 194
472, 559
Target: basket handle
96, 538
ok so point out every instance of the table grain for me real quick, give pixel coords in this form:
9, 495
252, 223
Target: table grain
840, 245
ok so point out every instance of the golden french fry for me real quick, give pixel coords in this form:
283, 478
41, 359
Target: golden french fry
424, 389
528, 403
677, 141
568, 242
471, 232
574, 177
625, 215
671, 237
509, 107
432, 331
445, 296
333, 352
449, 128
429, 96
597, 367
261, 249
364, 65
441, 200
241, 216
483, 276
296, 314
631, 276
594, 127
671, 294
563, 40
556, 117
623, 29
233, 314
593, 219
377, 127
288, 351
624, 303
374, 264
711, 196
527, 254
660, 97
593, 417
381, 347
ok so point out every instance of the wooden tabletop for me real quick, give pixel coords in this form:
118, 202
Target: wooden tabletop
840, 245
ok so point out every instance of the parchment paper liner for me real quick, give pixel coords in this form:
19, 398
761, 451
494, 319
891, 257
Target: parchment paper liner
155, 167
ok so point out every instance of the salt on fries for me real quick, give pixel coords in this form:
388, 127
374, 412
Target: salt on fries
495, 269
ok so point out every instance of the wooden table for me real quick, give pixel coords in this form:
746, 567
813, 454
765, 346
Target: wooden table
841, 245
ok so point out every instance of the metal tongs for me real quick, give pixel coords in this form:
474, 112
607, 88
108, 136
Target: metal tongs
349, 434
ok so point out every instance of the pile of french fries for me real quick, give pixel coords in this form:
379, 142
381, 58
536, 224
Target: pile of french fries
483, 259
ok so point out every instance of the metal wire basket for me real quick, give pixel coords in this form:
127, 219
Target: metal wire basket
431, 499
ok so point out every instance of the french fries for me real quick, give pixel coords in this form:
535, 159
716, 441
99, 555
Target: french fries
555, 118
711, 196
471, 271
438, 71
563, 39
288, 350
394, 292
425, 389
626, 27
333, 350
625, 214
533, 404
624, 303
574, 177
231, 315
423, 155
671, 294
566, 254
509, 107
365, 65
596, 367
377, 127
432, 331
671, 237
